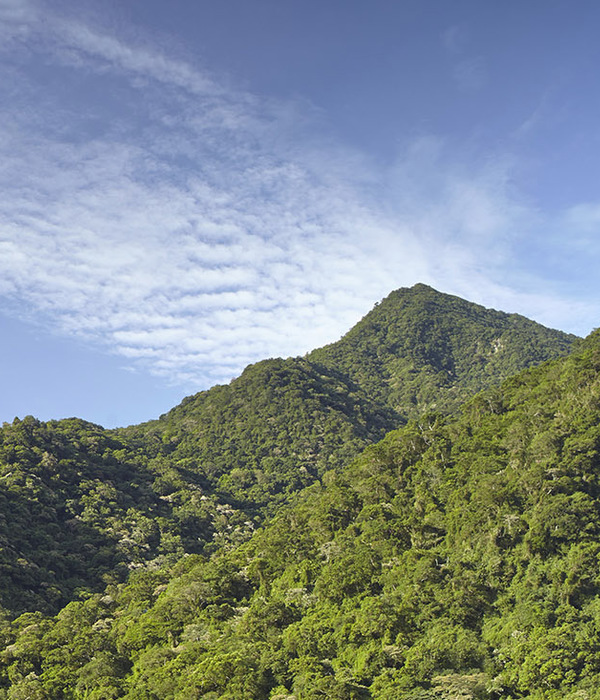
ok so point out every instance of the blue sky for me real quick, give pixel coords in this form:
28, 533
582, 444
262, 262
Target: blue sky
188, 187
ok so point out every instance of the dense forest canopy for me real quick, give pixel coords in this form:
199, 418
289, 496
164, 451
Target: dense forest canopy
358, 523
421, 350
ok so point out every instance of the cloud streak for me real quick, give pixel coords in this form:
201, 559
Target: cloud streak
192, 228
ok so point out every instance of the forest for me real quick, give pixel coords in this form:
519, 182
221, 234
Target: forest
410, 512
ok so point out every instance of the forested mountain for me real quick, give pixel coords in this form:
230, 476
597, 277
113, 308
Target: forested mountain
283, 423
421, 350
257, 541
269, 433
457, 558
80, 505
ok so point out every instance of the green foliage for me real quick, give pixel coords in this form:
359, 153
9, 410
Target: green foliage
247, 545
453, 559
274, 430
80, 505
421, 350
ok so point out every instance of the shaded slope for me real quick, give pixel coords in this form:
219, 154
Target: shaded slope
80, 504
420, 349
270, 432
78, 507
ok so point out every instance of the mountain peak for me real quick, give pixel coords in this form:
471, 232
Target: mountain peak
420, 348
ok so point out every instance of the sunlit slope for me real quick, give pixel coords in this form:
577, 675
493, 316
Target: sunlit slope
80, 505
284, 423
420, 349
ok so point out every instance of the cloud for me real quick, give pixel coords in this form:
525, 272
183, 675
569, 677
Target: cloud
81, 45
200, 228
454, 38
470, 74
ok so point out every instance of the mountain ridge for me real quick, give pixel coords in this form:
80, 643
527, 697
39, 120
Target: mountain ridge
208, 472
436, 349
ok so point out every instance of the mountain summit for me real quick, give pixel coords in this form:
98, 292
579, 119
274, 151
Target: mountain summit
284, 423
79, 503
420, 349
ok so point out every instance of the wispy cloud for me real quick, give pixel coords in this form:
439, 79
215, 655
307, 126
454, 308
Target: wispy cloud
471, 74
468, 72
193, 228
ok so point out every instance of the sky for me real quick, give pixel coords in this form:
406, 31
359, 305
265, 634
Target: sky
192, 186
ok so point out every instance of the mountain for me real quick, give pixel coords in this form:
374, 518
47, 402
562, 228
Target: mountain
422, 350
283, 423
270, 432
80, 505
456, 558
239, 546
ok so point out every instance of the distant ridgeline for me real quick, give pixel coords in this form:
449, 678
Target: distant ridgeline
351, 524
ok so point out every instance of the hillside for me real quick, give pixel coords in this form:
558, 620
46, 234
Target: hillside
270, 432
81, 506
422, 350
457, 558
283, 423
147, 542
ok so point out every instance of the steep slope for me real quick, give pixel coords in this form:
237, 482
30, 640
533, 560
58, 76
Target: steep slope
283, 423
79, 507
420, 350
457, 558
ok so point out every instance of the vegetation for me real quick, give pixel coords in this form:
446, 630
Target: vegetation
420, 350
259, 542
272, 431
80, 505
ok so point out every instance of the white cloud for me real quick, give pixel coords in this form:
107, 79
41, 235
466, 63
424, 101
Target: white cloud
197, 234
